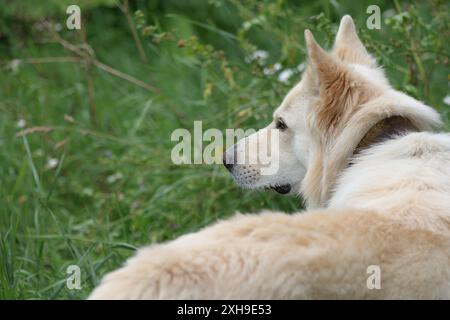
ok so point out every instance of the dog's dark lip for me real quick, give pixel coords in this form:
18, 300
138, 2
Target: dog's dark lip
283, 189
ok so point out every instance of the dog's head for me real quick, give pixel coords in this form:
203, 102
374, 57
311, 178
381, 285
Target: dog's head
320, 122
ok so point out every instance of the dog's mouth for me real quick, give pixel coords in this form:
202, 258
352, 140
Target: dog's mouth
283, 189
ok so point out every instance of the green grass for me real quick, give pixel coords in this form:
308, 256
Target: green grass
114, 187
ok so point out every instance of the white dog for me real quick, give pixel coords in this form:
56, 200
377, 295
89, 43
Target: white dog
377, 186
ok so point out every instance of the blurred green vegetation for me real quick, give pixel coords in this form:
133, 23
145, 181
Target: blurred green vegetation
92, 179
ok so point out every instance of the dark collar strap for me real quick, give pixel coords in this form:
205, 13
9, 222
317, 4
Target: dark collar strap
385, 130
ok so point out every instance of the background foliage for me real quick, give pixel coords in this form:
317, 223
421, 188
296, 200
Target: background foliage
86, 116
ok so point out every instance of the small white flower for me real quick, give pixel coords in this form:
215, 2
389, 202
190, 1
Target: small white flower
257, 55
447, 100
114, 177
285, 75
301, 67
388, 13
38, 153
52, 163
57, 27
21, 123
87, 192
14, 65
273, 69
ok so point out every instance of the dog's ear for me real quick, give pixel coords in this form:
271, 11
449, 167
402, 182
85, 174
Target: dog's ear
325, 66
349, 47
335, 83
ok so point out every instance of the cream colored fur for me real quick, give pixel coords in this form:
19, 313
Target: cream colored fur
390, 207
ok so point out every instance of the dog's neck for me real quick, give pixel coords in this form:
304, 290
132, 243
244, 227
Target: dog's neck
384, 130
381, 119
320, 179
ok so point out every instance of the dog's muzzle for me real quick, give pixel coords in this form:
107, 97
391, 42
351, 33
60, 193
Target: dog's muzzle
229, 161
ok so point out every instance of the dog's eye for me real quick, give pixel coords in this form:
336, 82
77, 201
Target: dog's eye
280, 124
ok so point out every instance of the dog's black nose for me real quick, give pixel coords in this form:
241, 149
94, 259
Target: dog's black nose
226, 162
